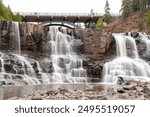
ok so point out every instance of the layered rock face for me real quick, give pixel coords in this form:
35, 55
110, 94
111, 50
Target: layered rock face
95, 41
32, 36
99, 48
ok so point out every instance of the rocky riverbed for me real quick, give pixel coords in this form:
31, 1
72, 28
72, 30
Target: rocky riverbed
132, 90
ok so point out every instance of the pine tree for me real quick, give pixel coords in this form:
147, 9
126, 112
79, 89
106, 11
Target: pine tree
135, 5
107, 15
107, 8
126, 8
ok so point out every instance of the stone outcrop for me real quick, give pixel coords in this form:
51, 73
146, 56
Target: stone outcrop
95, 41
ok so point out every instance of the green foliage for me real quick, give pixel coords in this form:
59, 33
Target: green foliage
7, 14
126, 8
1, 18
135, 5
17, 17
130, 6
100, 23
148, 19
107, 18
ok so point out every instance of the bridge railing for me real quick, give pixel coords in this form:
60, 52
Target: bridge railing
62, 14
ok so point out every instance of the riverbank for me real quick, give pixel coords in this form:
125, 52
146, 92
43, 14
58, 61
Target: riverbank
132, 90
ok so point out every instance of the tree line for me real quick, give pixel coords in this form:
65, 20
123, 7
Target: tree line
131, 6
7, 14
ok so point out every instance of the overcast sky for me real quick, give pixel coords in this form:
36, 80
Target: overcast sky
62, 6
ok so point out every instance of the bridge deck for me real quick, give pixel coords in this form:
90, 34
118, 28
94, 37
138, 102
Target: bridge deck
68, 17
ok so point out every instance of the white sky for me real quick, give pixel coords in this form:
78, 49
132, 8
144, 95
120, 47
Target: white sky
62, 6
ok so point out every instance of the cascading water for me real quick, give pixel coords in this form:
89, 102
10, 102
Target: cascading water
28, 70
44, 77
127, 64
16, 38
2, 70
67, 65
146, 40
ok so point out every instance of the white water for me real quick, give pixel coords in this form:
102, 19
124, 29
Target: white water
68, 67
127, 64
29, 75
2, 63
16, 41
146, 40
44, 77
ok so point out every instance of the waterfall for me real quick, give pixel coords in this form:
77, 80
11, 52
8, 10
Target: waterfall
68, 67
127, 64
44, 77
144, 38
16, 38
2, 70
29, 73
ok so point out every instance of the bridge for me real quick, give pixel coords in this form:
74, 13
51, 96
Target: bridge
59, 17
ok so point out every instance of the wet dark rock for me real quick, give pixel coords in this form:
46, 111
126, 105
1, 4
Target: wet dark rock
17, 77
10, 83
9, 68
121, 90
35, 67
94, 70
134, 34
36, 98
6, 76
120, 81
2, 83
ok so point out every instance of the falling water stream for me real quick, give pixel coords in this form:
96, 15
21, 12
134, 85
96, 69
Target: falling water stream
68, 67
127, 65
146, 40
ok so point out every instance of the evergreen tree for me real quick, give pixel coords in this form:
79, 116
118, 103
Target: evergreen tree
107, 15
135, 5
126, 8
107, 8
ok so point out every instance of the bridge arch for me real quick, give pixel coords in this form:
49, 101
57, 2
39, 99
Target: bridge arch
64, 24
